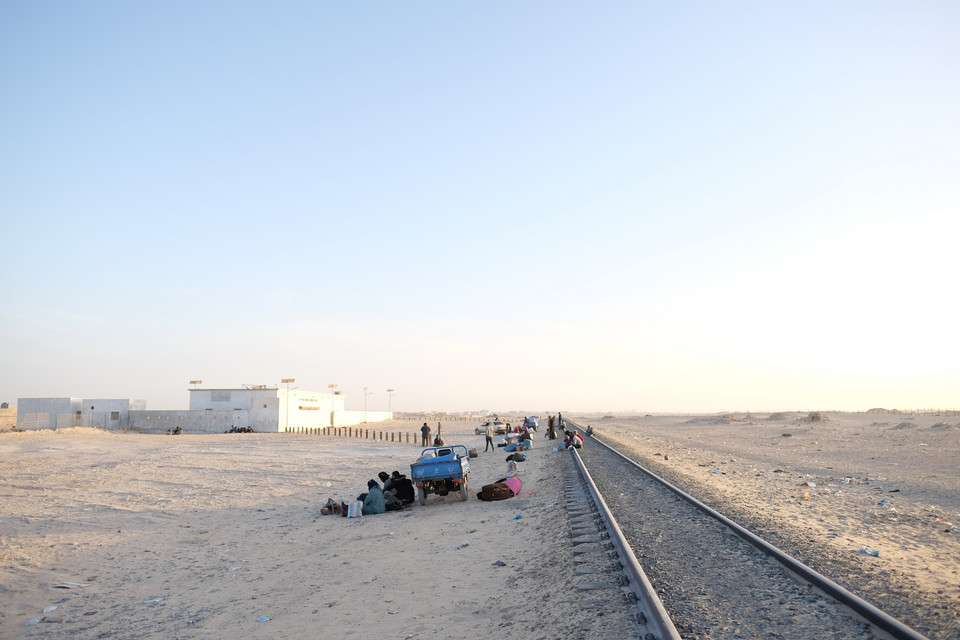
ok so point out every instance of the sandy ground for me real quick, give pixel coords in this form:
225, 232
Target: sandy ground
835, 487
200, 536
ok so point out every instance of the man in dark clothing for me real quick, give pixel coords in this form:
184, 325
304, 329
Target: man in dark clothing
425, 432
403, 487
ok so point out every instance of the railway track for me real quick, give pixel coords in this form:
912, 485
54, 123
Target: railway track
688, 572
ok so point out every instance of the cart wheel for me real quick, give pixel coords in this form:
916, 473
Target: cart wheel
421, 496
463, 490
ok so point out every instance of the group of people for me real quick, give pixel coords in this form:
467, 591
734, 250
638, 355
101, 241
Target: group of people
524, 440
175, 432
240, 430
397, 491
573, 439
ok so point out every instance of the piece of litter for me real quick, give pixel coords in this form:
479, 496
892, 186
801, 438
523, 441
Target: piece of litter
33, 621
518, 516
49, 609
391, 611
62, 600
370, 579
870, 552
499, 563
70, 585
718, 472
465, 544
232, 569
263, 618
152, 600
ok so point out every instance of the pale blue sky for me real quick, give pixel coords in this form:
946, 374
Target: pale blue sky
537, 206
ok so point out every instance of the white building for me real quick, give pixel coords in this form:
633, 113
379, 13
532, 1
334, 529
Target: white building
262, 408
60, 413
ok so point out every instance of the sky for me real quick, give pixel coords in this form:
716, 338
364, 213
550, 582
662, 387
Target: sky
540, 206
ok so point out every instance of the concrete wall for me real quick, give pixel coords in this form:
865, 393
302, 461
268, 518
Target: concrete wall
62, 413
201, 421
105, 413
47, 413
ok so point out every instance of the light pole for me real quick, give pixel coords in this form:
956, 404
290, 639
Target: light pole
389, 406
365, 394
333, 398
287, 382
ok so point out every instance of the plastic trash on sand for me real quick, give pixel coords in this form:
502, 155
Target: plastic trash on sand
867, 551
518, 516
263, 618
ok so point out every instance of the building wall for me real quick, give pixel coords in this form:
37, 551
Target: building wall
212, 411
105, 413
47, 413
62, 413
207, 421
228, 399
274, 409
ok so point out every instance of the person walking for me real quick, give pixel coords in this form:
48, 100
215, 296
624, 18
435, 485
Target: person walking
489, 434
425, 433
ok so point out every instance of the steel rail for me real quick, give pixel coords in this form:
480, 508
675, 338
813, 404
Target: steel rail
866, 610
652, 608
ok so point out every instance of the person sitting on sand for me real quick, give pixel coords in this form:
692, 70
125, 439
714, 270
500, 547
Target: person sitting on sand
403, 487
525, 437
373, 502
392, 502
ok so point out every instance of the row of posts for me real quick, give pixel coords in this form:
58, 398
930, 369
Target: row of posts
352, 432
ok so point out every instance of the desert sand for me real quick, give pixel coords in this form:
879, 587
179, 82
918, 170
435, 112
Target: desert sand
203, 536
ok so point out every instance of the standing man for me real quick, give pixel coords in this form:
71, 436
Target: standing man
490, 432
425, 432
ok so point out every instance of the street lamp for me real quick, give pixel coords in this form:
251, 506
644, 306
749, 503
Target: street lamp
389, 398
333, 400
365, 394
287, 382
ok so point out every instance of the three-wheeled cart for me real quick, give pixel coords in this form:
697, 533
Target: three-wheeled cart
441, 470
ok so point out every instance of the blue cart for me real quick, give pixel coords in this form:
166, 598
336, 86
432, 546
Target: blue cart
441, 470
